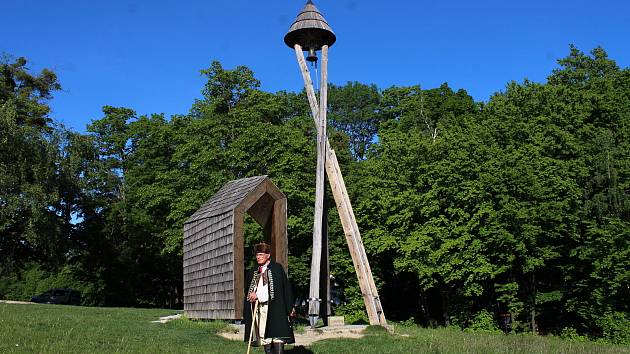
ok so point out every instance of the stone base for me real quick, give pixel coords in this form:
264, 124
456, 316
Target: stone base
335, 321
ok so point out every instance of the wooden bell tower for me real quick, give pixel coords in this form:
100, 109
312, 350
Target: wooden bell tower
311, 33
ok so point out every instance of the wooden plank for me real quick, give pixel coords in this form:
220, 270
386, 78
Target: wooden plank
333, 177
279, 239
361, 250
375, 311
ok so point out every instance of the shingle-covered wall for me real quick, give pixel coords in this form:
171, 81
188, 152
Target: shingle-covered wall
208, 268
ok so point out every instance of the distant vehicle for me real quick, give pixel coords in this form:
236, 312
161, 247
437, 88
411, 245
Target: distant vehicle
58, 296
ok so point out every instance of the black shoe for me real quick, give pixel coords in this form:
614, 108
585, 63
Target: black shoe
267, 349
278, 348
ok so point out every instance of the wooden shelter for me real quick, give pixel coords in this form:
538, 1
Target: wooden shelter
214, 247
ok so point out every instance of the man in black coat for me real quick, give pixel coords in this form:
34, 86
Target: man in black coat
268, 286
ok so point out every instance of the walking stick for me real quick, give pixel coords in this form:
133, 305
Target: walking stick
251, 330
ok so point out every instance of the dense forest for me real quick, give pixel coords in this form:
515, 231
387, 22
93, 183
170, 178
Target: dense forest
468, 210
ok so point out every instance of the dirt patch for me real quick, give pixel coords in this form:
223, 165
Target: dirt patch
16, 302
168, 318
309, 336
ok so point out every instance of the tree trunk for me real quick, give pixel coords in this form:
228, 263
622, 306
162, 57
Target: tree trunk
533, 309
424, 315
445, 305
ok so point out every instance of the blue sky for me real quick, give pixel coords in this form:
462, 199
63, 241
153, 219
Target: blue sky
146, 55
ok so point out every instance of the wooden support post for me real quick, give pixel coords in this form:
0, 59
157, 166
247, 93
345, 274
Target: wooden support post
369, 291
321, 151
320, 123
324, 276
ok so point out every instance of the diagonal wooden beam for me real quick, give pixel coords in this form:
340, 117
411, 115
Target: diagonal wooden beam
376, 315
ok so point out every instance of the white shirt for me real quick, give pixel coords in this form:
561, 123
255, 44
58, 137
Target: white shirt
262, 290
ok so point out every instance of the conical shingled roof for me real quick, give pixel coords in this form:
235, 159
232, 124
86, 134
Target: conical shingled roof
310, 29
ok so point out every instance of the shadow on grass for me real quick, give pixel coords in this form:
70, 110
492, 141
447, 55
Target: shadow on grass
298, 350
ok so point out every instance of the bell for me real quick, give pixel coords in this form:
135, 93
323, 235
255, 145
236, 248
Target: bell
311, 31
312, 56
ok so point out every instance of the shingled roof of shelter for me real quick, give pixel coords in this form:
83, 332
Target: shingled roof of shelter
227, 198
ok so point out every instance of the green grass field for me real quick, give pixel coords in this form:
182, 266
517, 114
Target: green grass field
69, 329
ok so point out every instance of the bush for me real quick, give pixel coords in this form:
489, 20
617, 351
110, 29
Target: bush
410, 322
20, 287
34, 280
483, 322
615, 327
569, 333
353, 309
